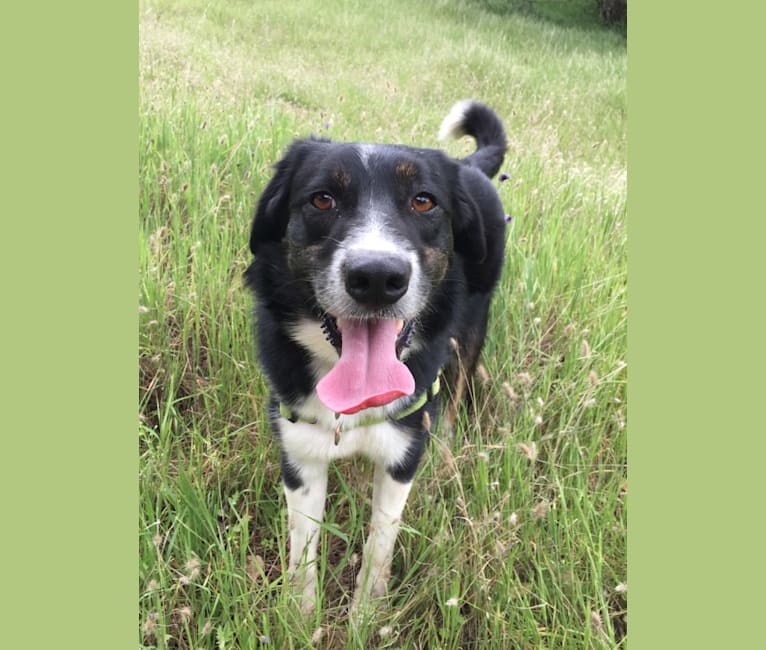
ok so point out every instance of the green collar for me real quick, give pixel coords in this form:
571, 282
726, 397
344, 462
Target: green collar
419, 403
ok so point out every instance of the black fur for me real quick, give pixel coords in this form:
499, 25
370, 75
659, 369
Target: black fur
460, 244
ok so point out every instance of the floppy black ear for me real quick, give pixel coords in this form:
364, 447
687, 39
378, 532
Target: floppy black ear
467, 225
478, 229
272, 213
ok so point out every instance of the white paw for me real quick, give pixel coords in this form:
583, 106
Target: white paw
303, 588
370, 585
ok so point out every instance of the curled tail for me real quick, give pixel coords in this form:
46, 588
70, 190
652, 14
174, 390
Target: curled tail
469, 117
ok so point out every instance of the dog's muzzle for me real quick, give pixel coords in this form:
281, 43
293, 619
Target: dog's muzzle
376, 281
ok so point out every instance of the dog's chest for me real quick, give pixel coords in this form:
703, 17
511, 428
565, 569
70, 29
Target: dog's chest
313, 436
310, 336
307, 442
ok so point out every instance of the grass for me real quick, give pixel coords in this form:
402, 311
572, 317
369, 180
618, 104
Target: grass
515, 536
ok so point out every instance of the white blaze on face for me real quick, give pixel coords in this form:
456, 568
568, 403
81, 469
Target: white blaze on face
375, 238
366, 151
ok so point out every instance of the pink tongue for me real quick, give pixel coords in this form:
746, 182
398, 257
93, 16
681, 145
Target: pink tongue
368, 373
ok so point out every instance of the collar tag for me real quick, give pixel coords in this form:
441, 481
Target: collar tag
337, 429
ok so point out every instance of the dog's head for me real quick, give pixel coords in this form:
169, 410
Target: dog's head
373, 227
374, 230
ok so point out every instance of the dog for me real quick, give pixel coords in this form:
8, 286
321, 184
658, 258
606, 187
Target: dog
374, 267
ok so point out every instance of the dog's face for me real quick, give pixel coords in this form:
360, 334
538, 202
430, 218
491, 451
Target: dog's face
372, 228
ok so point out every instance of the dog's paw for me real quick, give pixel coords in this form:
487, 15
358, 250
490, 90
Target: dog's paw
303, 590
371, 589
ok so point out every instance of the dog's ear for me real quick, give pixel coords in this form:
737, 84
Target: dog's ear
467, 225
478, 228
273, 209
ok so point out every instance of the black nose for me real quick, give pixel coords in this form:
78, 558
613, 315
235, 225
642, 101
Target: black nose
378, 279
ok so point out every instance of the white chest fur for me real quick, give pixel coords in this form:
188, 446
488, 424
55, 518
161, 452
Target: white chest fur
305, 442
381, 442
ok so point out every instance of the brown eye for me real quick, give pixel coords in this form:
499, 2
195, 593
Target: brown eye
323, 201
423, 203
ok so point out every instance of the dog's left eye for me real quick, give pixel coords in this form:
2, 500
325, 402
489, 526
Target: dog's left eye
423, 203
323, 201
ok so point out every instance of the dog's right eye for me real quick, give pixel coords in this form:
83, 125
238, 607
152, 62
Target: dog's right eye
322, 201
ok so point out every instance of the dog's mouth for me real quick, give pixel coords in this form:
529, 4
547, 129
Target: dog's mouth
370, 371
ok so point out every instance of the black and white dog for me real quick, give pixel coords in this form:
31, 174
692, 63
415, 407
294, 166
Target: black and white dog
374, 269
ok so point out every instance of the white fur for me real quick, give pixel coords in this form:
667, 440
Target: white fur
453, 125
365, 151
305, 509
307, 443
309, 335
310, 448
388, 500
373, 238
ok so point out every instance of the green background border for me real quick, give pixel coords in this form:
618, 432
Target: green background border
69, 244
695, 338
696, 280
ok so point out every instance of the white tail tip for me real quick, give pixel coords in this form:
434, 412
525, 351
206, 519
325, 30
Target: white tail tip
452, 126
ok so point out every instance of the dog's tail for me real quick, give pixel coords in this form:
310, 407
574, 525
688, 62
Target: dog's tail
469, 117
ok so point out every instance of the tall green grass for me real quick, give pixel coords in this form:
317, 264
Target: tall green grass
515, 535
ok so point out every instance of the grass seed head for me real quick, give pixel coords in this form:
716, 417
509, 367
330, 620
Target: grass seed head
540, 511
525, 379
510, 392
150, 625
316, 637
193, 569
529, 450
596, 624
185, 614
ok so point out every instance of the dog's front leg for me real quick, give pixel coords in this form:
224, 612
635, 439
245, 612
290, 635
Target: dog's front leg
388, 499
305, 508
